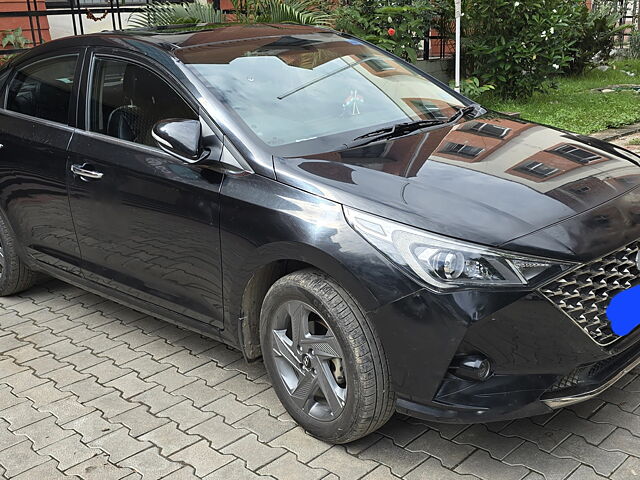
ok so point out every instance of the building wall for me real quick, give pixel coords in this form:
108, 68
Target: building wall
23, 22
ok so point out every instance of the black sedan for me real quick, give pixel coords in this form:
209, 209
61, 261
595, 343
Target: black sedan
380, 241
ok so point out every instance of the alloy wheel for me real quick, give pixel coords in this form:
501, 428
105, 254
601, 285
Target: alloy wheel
309, 360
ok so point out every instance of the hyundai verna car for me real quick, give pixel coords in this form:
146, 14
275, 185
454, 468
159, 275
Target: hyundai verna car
380, 241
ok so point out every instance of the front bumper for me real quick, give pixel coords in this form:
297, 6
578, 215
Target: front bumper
540, 359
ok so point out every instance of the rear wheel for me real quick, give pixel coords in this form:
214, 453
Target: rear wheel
15, 276
325, 361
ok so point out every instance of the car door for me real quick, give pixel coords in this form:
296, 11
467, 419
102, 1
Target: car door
147, 223
36, 112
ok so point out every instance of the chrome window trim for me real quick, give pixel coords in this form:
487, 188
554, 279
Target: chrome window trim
24, 116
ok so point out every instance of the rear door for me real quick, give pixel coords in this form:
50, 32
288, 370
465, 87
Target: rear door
147, 223
36, 114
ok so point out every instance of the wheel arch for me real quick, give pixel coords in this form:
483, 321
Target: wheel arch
268, 264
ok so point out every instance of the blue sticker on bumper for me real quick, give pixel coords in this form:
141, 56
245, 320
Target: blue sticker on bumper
624, 311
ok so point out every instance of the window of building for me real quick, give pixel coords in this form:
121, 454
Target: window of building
537, 169
463, 150
489, 129
576, 154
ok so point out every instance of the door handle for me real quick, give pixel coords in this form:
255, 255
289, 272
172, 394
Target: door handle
84, 173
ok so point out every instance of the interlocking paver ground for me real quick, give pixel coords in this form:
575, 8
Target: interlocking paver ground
93, 390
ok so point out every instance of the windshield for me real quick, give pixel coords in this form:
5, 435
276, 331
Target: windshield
318, 90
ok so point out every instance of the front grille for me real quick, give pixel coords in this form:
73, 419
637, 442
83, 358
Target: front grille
584, 294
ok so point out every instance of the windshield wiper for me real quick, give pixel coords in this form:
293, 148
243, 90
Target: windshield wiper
405, 128
323, 77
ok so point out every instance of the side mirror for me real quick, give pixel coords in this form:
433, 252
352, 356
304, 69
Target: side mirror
181, 138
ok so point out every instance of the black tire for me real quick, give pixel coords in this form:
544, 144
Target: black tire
367, 401
15, 276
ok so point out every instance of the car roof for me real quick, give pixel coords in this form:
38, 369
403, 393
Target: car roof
181, 36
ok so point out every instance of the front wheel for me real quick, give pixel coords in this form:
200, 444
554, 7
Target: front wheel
325, 360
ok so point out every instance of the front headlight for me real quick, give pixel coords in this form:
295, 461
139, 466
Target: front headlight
446, 263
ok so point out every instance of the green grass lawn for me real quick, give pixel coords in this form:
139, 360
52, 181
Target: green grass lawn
574, 106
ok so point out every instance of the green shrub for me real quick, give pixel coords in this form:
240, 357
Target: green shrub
595, 33
634, 45
518, 46
398, 26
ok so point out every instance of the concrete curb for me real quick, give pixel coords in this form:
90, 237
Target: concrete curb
615, 133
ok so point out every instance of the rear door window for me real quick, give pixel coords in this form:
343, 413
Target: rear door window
43, 89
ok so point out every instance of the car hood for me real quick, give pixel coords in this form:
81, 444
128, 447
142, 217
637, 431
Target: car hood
489, 180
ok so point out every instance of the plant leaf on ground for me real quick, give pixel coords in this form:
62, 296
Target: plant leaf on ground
575, 106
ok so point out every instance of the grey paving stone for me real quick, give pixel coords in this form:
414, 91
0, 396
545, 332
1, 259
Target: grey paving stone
345, 466
20, 458
185, 415
158, 349
44, 432
119, 445
112, 404
483, 466
287, 467
592, 432
150, 464
8, 438
223, 355
629, 470
218, 433
9, 367
157, 399
169, 439
45, 471
263, 425
241, 387
135, 338
497, 445
100, 344
69, 451
121, 354
627, 400
21, 415
44, 364
545, 438
381, 472
87, 389
130, 385
83, 360
8, 399
254, 453
185, 473
398, 459
552, 467
98, 468
44, 394
91, 426
212, 374
229, 408
235, 470
446, 430
622, 440
106, 371
200, 393
603, 462
25, 353
19, 382
66, 409
184, 361
196, 343
268, 400
449, 453
303, 445
146, 366
401, 432
139, 421
65, 376
585, 473
170, 379
432, 469
202, 457
613, 415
